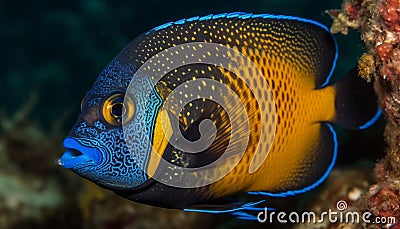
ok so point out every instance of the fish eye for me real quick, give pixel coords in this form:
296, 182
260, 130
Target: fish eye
114, 109
117, 110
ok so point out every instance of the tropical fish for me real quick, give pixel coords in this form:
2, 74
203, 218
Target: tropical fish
120, 142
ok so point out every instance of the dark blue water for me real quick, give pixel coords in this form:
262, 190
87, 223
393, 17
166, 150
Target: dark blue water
51, 53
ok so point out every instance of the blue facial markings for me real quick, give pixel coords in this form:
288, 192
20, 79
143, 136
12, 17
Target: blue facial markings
117, 167
116, 76
122, 163
139, 133
99, 125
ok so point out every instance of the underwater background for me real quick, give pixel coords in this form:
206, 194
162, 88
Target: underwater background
52, 52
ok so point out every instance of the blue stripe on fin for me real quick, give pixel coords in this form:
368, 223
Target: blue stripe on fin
219, 16
163, 26
207, 17
246, 16
243, 15
372, 121
235, 14
315, 184
180, 22
244, 207
193, 18
244, 212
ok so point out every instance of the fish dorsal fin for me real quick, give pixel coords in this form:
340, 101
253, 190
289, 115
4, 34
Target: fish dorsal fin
306, 44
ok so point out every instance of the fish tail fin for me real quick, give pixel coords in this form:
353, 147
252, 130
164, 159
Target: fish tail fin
356, 102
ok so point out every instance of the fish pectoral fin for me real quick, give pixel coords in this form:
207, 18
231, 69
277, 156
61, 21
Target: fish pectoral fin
238, 209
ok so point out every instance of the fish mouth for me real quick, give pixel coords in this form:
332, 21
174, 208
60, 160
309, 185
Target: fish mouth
77, 154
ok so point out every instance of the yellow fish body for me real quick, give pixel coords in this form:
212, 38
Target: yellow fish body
127, 140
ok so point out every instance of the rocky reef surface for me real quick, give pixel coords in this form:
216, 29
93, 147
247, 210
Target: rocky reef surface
378, 22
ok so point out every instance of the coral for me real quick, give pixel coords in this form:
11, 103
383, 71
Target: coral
379, 24
348, 17
384, 200
365, 66
390, 13
384, 51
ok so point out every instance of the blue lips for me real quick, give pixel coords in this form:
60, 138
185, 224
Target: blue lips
77, 154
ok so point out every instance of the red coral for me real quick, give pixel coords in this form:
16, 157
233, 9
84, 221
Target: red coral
384, 51
385, 202
389, 12
351, 11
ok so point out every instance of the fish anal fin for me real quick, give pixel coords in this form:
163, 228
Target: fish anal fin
314, 168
